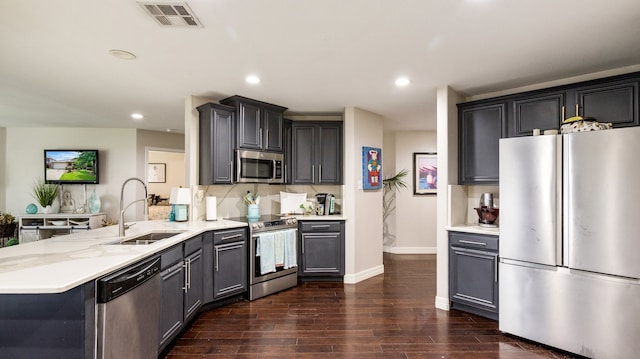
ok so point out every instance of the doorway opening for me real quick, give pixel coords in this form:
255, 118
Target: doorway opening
164, 170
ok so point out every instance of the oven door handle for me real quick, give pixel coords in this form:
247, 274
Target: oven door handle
232, 237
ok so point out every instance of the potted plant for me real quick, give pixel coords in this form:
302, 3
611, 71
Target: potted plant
7, 229
390, 185
46, 194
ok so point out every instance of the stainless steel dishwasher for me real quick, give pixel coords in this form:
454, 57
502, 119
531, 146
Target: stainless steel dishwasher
129, 312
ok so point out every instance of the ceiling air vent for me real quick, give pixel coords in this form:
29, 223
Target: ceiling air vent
171, 14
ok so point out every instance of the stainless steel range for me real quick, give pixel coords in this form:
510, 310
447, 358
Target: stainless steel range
273, 263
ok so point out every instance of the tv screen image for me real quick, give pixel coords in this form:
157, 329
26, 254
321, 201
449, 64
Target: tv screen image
71, 166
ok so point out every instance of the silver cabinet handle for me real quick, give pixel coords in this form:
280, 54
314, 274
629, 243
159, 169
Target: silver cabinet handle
473, 242
313, 172
260, 139
320, 226
319, 173
185, 266
232, 236
267, 143
217, 258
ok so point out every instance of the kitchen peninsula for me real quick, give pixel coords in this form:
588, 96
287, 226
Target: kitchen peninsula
51, 302
48, 291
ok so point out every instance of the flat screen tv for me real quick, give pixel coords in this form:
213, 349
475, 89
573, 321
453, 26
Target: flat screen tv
71, 166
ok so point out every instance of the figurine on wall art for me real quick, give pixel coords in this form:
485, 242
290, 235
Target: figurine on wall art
371, 168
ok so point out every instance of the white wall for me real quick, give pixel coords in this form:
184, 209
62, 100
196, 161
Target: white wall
447, 118
3, 162
174, 167
363, 248
415, 214
120, 154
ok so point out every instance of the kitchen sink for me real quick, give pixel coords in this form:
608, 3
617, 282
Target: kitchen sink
147, 238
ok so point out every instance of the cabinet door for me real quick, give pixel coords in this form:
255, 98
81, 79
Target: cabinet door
543, 112
230, 269
272, 131
616, 103
480, 129
288, 153
473, 278
171, 302
303, 153
216, 144
194, 283
249, 130
322, 253
329, 153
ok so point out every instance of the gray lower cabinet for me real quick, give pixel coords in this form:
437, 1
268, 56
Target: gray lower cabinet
473, 273
58, 325
229, 263
321, 249
182, 287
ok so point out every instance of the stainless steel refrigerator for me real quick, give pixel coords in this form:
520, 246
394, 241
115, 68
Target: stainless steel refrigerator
569, 265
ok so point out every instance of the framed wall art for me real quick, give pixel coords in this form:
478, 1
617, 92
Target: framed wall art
371, 168
157, 173
425, 173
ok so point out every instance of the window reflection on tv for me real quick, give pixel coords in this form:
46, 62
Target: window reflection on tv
71, 166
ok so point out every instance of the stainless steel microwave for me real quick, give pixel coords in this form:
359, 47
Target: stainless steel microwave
259, 167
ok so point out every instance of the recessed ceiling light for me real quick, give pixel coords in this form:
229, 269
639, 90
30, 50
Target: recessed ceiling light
402, 81
137, 116
252, 79
123, 55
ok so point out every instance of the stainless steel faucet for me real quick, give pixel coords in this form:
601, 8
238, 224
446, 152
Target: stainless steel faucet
121, 226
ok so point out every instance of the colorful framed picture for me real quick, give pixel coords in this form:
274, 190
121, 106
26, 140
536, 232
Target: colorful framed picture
371, 168
425, 173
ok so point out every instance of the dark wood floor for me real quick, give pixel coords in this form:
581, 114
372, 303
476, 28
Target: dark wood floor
388, 316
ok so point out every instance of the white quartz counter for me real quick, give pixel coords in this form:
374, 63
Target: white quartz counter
58, 264
333, 217
474, 228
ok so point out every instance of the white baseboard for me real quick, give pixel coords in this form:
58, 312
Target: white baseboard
442, 303
366, 274
409, 250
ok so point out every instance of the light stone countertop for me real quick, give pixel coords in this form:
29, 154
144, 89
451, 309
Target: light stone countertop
332, 217
58, 264
474, 228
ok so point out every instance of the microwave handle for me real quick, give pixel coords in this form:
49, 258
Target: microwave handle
273, 176
238, 166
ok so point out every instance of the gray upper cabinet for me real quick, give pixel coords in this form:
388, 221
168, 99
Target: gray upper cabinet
316, 152
615, 102
480, 128
259, 124
482, 123
217, 128
543, 112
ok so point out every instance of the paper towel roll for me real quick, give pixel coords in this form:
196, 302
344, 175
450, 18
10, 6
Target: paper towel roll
211, 204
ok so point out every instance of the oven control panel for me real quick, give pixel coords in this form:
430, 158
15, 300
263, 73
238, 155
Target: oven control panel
283, 222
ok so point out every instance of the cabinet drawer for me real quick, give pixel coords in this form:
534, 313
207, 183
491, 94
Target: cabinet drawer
320, 226
192, 245
475, 241
229, 236
171, 256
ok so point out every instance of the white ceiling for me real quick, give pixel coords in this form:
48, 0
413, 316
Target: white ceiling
312, 56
